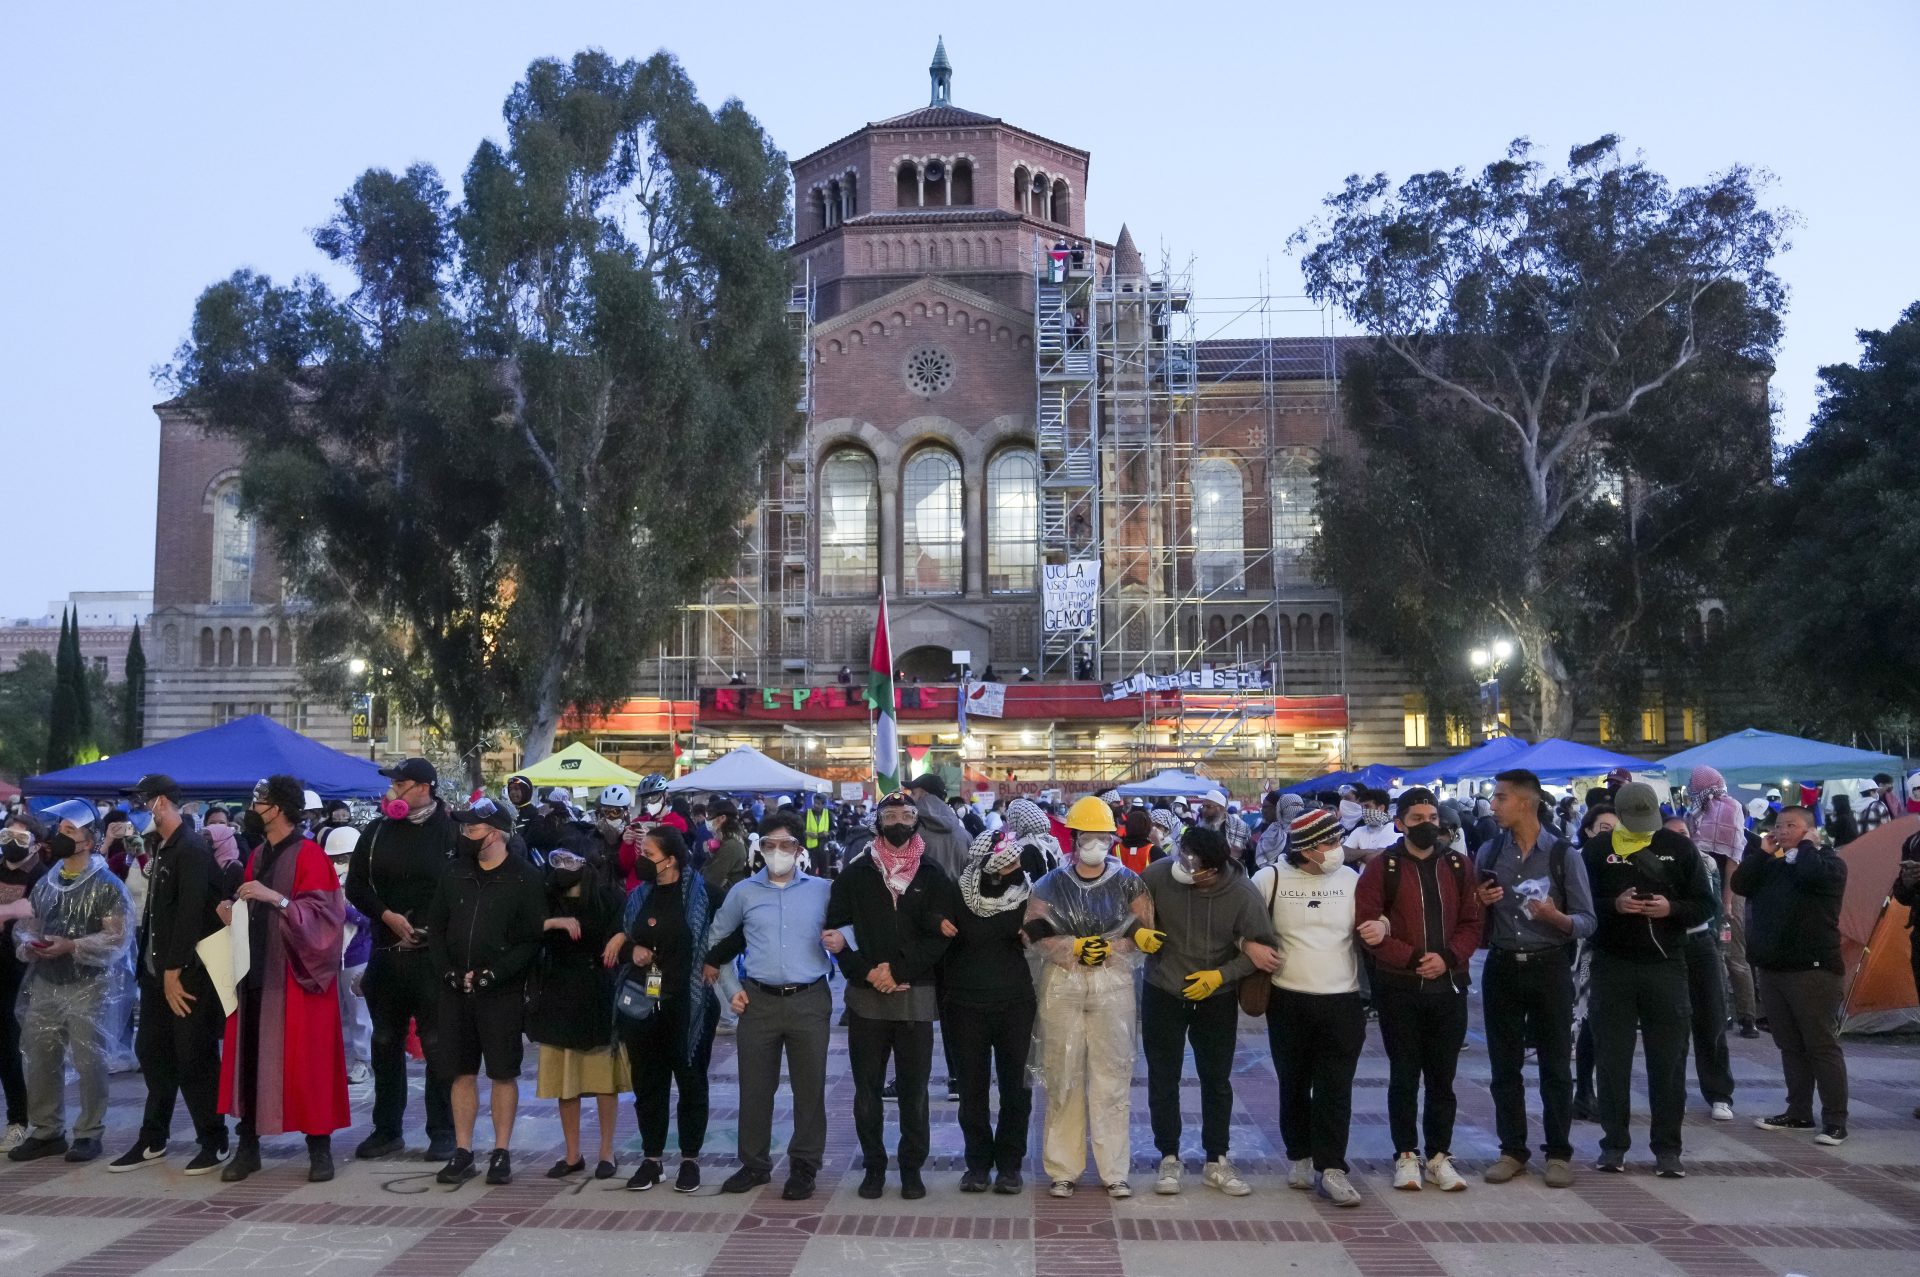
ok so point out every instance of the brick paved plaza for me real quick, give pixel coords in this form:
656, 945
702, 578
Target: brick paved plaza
1753, 1203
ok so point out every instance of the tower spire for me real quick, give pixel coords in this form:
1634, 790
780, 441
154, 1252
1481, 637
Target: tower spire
942, 73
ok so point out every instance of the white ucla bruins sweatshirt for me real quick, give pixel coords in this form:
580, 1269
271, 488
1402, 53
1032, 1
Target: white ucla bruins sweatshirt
1313, 916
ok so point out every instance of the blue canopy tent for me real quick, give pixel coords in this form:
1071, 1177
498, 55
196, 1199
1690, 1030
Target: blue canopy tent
1172, 783
221, 762
1376, 775
1314, 784
1754, 757
1449, 770
1556, 759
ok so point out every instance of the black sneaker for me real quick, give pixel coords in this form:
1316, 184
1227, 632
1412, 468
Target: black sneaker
912, 1187
646, 1177
1784, 1122
1831, 1136
1612, 1163
605, 1170
1007, 1183
891, 1091
1667, 1166
873, 1183
743, 1180
209, 1159
439, 1150
35, 1147
689, 1177
378, 1145
799, 1186
1748, 1029
500, 1167
139, 1155
244, 1162
953, 1091
86, 1151
974, 1181
459, 1168
563, 1168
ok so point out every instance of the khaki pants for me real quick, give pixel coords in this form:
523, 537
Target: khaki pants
1086, 1027
62, 1022
1739, 974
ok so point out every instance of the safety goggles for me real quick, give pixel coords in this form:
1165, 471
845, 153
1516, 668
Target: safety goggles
16, 837
779, 842
566, 860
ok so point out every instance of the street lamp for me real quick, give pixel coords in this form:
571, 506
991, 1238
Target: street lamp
356, 667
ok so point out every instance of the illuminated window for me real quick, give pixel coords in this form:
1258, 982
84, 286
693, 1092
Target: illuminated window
1459, 732
1653, 725
1295, 516
1013, 521
849, 524
1414, 721
1693, 726
1219, 525
1607, 735
933, 523
233, 543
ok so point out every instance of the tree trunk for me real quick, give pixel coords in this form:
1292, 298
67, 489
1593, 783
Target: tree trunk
1553, 689
543, 723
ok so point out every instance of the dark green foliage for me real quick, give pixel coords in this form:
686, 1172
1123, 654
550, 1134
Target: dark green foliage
1561, 415
26, 714
133, 692
532, 431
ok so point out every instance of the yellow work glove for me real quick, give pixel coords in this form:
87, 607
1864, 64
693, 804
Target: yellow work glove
1148, 940
1091, 951
1202, 985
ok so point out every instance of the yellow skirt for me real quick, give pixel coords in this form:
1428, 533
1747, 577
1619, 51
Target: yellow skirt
567, 1075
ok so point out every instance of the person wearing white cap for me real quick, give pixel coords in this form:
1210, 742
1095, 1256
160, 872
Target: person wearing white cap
1214, 815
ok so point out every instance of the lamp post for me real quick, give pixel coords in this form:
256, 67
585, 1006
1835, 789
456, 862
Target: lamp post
1487, 662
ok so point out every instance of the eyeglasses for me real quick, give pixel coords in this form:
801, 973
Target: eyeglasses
780, 843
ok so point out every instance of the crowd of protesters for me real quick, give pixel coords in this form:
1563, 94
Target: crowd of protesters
1046, 941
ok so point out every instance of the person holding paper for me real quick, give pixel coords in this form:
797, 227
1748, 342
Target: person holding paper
178, 1041
283, 1066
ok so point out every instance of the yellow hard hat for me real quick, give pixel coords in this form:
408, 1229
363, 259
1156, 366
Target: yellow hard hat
1091, 815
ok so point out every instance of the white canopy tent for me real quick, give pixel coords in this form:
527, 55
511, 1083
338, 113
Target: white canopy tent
1172, 783
748, 771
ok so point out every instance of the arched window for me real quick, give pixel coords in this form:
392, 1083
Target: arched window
1261, 643
962, 180
226, 646
1013, 521
233, 538
1303, 632
906, 185
1295, 516
264, 645
932, 523
206, 645
1216, 631
1219, 525
1061, 202
1022, 188
1286, 632
1329, 636
246, 646
849, 524
286, 648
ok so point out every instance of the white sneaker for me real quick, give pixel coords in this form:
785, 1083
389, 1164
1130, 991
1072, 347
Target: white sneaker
15, 1134
1722, 1111
1300, 1175
1441, 1175
358, 1074
1119, 1189
1222, 1176
1406, 1172
1334, 1187
1060, 1188
1168, 1182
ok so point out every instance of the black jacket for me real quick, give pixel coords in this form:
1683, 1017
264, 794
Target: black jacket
397, 865
183, 901
1794, 921
488, 919
908, 937
1669, 866
985, 965
570, 1002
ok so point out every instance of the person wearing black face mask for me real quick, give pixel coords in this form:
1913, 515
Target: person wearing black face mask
987, 1011
568, 1000
20, 868
1417, 912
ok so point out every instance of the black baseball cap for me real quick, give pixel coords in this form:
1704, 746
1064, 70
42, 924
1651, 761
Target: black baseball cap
417, 770
485, 811
931, 783
156, 785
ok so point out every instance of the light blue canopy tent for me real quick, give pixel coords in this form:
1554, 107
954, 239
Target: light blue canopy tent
1172, 783
1460, 766
1556, 759
1754, 757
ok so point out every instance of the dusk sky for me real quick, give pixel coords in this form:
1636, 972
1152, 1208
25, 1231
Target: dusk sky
151, 149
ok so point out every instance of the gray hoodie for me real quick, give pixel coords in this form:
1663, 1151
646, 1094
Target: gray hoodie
945, 837
1203, 926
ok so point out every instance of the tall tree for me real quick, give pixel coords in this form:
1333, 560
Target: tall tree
1829, 586
1564, 400
26, 710
63, 719
498, 466
133, 694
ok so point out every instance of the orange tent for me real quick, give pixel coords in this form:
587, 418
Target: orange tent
1874, 940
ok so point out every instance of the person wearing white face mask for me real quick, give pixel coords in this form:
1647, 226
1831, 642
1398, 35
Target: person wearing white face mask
1374, 833
1316, 1024
1082, 918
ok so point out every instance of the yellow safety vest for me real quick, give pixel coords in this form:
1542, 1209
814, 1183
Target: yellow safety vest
819, 822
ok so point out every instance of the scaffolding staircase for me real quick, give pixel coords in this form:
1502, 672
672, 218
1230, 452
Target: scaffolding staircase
1066, 430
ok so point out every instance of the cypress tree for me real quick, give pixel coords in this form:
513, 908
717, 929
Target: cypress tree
83, 726
133, 707
62, 742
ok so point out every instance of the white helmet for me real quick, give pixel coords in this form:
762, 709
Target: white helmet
615, 796
340, 841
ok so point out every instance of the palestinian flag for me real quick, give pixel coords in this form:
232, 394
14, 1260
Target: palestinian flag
886, 735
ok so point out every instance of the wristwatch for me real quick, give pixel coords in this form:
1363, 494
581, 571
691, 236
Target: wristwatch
282, 903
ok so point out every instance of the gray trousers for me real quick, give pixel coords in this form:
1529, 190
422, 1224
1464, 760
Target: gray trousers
801, 1025
1739, 974
1803, 1011
64, 1020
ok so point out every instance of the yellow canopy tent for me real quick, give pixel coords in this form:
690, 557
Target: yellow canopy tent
578, 765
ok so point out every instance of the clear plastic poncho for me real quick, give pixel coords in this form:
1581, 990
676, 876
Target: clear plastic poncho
1084, 1044
94, 912
77, 1007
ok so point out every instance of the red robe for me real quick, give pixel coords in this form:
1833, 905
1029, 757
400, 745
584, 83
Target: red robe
302, 1083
